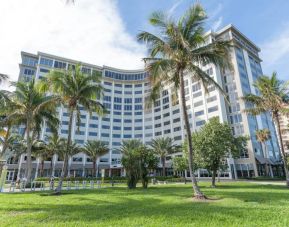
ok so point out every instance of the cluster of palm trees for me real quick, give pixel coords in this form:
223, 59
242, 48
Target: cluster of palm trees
34, 104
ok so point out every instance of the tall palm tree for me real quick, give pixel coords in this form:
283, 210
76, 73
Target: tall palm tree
273, 96
262, 136
54, 146
75, 89
95, 149
162, 147
180, 48
29, 105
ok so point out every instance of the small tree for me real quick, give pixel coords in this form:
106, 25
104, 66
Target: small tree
213, 143
180, 164
137, 160
95, 149
162, 147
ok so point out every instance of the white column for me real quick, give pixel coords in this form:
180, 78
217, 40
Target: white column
37, 167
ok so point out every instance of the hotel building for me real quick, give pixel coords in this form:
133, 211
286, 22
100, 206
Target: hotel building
124, 98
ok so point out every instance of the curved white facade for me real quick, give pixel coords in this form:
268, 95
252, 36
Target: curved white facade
124, 98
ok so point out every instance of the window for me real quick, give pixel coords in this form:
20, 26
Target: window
138, 136
79, 141
166, 106
127, 128
93, 125
166, 123
117, 92
177, 138
148, 127
176, 129
107, 98
116, 128
165, 92
105, 127
116, 113
46, 61
138, 128
117, 99
167, 131
116, 107
92, 134
165, 100
105, 119
138, 107
199, 113
200, 123
158, 125
104, 135
127, 120
116, 120
64, 122
128, 100
148, 135
59, 65
196, 87
44, 70
158, 133
138, 100
94, 118
176, 120
128, 86
212, 109
199, 103
29, 72
138, 92
157, 110
176, 111
157, 117
77, 159
127, 113
127, 136
211, 99
107, 83
115, 135
166, 114
63, 131
197, 94
118, 85
138, 120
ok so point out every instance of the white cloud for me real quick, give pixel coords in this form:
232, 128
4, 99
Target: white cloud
217, 24
215, 20
275, 53
174, 6
90, 31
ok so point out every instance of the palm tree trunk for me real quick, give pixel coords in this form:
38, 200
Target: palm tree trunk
94, 168
282, 150
65, 164
29, 145
164, 166
197, 192
42, 167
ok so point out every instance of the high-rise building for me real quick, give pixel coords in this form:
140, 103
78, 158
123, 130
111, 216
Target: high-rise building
124, 98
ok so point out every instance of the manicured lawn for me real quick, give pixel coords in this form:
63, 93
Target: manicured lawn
235, 204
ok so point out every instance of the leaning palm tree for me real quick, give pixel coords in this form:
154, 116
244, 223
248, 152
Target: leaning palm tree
274, 96
75, 89
95, 149
180, 49
29, 105
262, 136
162, 147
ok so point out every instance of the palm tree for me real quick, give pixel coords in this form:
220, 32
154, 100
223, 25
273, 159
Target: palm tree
54, 146
75, 89
180, 48
262, 136
65, 154
130, 150
30, 106
273, 96
95, 149
163, 146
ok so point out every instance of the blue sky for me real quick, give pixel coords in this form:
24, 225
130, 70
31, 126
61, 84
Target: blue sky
103, 32
262, 21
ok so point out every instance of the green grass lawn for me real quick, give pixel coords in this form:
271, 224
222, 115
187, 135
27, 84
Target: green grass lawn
234, 204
